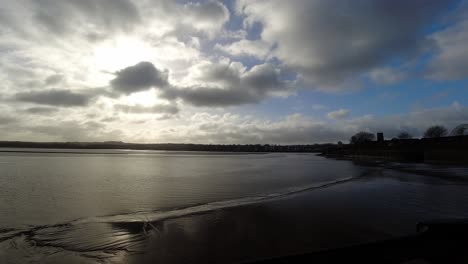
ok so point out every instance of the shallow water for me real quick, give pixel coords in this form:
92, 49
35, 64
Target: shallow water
92, 206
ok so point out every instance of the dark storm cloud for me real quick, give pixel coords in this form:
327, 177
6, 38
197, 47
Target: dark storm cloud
62, 17
203, 96
331, 40
64, 98
226, 86
224, 74
41, 110
139, 77
252, 87
263, 79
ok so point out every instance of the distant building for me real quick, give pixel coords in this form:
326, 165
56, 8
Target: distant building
380, 137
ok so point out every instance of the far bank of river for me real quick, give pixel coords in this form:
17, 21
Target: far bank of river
445, 150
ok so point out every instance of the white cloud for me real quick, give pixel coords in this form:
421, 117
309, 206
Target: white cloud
297, 128
451, 59
386, 75
339, 114
207, 127
209, 16
244, 48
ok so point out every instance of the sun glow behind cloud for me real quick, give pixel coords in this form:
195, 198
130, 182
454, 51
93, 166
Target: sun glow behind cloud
145, 98
119, 53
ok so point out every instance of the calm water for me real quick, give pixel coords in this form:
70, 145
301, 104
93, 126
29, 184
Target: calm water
73, 202
42, 189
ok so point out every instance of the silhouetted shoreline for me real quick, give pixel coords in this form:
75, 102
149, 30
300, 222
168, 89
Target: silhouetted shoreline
443, 150
167, 146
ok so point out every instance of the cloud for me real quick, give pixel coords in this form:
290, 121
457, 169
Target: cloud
53, 79
415, 122
215, 97
226, 128
75, 131
451, 59
237, 87
64, 98
210, 84
140, 109
300, 129
244, 48
41, 110
386, 75
331, 42
235, 129
97, 17
202, 19
208, 16
339, 114
139, 77
4, 120
110, 119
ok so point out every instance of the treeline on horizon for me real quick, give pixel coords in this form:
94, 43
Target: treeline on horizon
446, 149
168, 146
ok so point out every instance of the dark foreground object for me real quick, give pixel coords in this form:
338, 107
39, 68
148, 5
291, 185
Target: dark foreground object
437, 242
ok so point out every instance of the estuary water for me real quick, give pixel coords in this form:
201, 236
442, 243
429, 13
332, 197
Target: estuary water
108, 205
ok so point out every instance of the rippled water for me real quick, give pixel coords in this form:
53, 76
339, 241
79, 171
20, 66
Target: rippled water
108, 202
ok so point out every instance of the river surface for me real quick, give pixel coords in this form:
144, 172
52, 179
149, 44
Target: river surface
102, 205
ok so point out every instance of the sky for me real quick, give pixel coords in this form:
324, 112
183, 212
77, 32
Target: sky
230, 72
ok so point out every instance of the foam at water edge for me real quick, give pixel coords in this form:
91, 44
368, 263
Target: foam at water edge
212, 206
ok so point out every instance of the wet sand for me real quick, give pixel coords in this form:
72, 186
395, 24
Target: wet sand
342, 215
